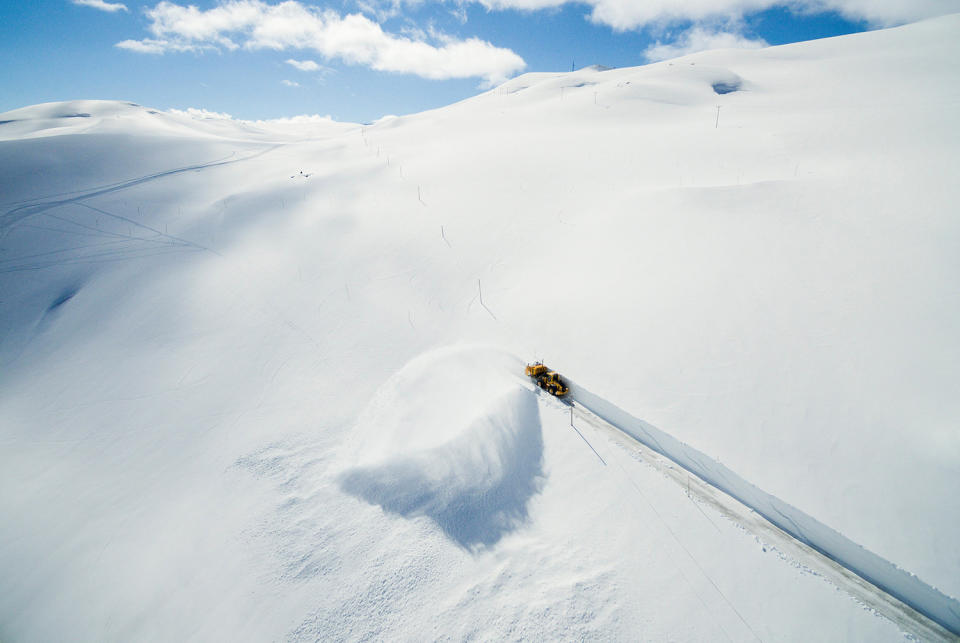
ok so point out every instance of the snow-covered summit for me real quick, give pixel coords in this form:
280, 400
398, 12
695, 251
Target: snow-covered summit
105, 116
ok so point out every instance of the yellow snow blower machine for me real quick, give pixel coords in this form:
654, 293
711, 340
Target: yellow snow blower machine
546, 379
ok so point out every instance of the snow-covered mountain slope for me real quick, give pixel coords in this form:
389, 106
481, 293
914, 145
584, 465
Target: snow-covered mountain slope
227, 411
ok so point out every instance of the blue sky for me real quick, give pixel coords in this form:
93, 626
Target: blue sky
357, 60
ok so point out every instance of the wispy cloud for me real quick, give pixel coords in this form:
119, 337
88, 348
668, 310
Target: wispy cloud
701, 39
149, 46
208, 115
290, 83
201, 113
101, 5
303, 65
353, 38
299, 120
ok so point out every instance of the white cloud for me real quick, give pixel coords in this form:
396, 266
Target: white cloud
101, 5
303, 65
353, 38
142, 46
290, 83
623, 14
204, 114
631, 14
700, 39
153, 46
460, 13
302, 119
383, 10
883, 13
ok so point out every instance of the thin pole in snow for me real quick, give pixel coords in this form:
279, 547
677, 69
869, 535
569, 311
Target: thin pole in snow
717, 124
582, 437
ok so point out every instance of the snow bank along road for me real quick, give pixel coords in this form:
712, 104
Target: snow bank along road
921, 599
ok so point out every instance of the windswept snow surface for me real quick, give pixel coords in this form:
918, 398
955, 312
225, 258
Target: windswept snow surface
247, 389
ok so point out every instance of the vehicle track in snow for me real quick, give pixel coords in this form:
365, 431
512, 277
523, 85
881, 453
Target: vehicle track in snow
39, 205
916, 608
118, 244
